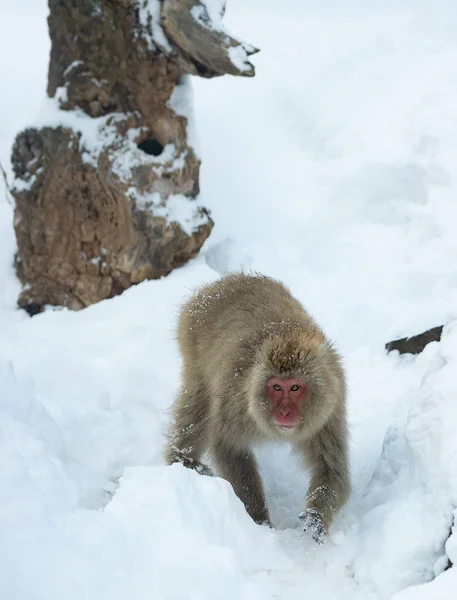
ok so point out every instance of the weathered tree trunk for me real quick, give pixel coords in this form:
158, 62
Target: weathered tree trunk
105, 193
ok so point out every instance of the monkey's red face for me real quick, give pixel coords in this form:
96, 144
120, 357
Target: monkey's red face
286, 396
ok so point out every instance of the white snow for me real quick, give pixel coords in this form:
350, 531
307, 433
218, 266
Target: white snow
61, 94
334, 170
95, 133
239, 57
177, 209
151, 29
182, 103
215, 9
187, 214
73, 65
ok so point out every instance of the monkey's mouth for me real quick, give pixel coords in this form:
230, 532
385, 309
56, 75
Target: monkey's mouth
286, 424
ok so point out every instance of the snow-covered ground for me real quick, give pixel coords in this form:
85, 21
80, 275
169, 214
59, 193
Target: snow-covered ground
334, 170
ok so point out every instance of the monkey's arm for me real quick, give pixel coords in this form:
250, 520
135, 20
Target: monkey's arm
329, 488
187, 438
240, 469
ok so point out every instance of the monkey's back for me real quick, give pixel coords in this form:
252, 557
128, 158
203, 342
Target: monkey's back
226, 320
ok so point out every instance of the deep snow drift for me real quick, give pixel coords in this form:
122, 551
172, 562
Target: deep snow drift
334, 170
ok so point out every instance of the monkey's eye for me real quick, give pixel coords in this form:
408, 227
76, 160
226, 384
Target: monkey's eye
294, 388
277, 387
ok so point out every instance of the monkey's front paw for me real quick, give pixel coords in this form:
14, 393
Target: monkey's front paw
203, 470
313, 521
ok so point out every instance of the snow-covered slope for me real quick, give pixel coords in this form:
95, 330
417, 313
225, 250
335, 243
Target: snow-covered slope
334, 170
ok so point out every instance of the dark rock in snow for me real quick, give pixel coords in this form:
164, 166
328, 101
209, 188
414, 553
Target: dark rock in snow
416, 343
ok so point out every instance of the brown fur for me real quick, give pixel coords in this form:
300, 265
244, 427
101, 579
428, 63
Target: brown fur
233, 335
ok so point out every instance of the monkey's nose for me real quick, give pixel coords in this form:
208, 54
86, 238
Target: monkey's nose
284, 410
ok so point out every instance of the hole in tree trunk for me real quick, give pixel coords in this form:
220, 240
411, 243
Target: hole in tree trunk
151, 146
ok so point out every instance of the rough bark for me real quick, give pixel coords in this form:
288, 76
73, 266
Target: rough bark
105, 195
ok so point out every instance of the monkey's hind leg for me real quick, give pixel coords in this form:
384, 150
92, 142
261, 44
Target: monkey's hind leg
187, 438
240, 469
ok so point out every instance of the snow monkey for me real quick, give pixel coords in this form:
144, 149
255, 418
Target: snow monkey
256, 367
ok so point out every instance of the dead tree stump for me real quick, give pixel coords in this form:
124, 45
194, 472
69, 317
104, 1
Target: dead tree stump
106, 192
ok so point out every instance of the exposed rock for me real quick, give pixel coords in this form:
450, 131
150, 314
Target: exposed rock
416, 343
106, 194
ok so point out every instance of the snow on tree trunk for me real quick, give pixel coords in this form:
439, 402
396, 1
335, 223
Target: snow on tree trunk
106, 189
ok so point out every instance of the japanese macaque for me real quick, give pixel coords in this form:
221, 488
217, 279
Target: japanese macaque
256, 367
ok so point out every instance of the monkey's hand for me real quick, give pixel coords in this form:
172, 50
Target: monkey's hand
313, 521
203, 470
